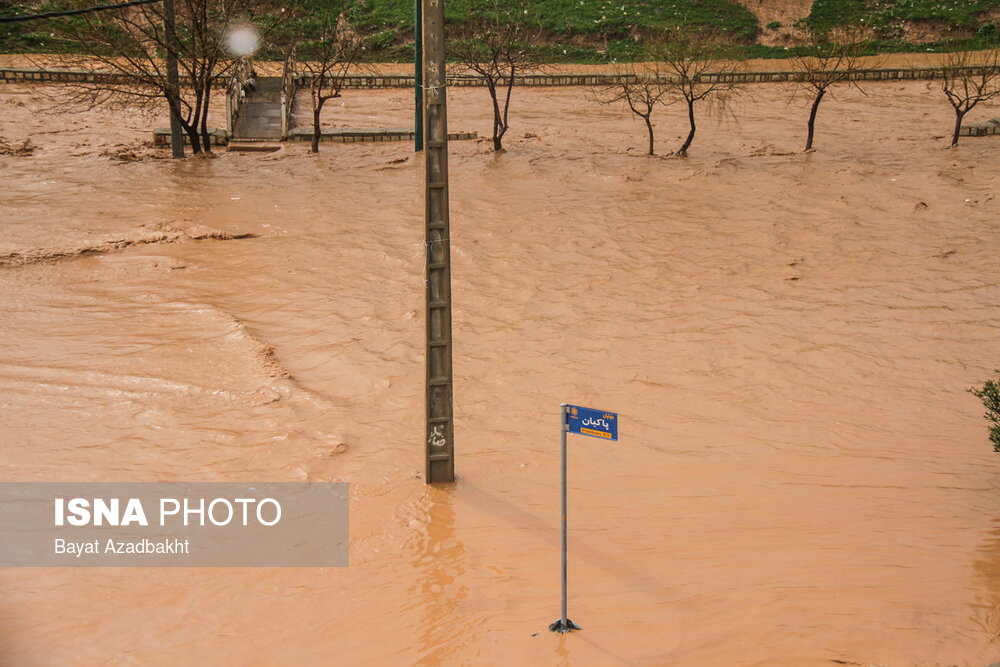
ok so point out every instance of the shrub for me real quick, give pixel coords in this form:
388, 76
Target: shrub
990, 396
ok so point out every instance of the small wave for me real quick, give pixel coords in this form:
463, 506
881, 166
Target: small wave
137, 237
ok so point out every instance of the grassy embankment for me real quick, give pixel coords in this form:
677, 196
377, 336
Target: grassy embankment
595, 31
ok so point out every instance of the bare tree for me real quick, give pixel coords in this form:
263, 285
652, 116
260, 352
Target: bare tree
639, 88
698, 69
968, 78
838, 63
132, 43
328, 57
495, 43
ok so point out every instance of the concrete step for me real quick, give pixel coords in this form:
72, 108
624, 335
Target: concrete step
268, 83
258, 106
251, 146
252, 126
258, 120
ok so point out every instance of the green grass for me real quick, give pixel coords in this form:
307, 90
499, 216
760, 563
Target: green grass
886, 17
596, 26
601, 31
563, 18
31, 36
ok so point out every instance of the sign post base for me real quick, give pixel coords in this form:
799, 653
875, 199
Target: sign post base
563, 627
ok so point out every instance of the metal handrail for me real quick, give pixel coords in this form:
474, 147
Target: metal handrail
236, 91
287, 95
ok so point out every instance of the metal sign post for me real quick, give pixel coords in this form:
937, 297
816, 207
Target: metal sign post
440, 446
596, 424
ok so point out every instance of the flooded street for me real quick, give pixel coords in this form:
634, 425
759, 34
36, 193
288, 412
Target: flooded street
788, 338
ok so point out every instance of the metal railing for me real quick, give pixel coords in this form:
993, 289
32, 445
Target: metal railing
287, 95
236, 91
36, 75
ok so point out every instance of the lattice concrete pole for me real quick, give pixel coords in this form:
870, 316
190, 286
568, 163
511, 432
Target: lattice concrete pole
418, 78
173, 79
440, 445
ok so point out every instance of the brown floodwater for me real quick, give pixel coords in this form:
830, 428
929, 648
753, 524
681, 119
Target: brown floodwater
801, 479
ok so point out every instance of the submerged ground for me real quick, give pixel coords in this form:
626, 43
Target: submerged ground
788, 338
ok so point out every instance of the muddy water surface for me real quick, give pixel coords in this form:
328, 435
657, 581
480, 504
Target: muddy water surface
788, 338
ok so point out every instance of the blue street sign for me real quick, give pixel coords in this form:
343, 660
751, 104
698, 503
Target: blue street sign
595, 423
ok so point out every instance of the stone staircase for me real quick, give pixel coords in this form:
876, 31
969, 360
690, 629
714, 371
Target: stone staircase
260, 114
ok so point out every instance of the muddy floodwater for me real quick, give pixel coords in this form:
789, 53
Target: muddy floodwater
801, 476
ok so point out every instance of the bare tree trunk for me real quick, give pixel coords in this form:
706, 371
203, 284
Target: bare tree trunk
498, 128
205, 137
690, 136
812, 117
192, 133
317, 110
192, 129
958, 126
649, 128
498, 132
506, 104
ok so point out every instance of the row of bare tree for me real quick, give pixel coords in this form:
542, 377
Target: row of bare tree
684, 72
495, 43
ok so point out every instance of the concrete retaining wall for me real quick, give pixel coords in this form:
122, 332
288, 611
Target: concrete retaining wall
161, 137
406, 80
981, 129
348, 136
38, 75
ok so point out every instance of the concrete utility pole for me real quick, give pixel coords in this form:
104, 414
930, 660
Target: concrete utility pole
418, 78
173, 80
440, 419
